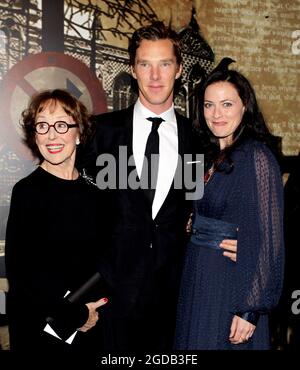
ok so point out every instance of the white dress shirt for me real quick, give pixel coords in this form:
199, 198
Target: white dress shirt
168, 149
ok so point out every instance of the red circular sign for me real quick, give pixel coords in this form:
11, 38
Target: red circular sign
42, 72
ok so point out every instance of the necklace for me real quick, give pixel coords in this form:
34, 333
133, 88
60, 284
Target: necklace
209, 174
87, 178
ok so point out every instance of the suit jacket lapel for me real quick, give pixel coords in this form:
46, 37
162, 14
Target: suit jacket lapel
128, 141
181, 135
129, 130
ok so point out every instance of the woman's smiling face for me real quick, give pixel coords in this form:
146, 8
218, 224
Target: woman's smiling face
223, 111
54, 147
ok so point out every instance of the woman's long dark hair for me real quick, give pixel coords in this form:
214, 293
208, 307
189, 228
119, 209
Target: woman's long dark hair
252, 125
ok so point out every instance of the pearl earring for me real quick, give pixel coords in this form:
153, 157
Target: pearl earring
77, 141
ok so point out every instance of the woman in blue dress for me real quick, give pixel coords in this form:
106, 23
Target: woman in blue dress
225, 304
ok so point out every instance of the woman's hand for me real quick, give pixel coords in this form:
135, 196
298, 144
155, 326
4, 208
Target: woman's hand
241, 330
93, 314
230, 247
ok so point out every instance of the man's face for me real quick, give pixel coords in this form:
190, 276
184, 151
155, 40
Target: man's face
156, 70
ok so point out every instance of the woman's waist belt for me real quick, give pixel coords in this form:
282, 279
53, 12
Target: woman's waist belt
209, 232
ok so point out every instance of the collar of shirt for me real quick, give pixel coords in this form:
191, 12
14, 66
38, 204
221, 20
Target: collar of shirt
142, 128
141, 112
168, 148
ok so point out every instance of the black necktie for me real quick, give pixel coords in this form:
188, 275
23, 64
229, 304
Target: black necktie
150, 164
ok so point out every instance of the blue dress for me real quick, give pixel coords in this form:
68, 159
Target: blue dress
246, 203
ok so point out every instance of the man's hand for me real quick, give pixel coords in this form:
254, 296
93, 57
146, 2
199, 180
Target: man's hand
230, 247
93, 314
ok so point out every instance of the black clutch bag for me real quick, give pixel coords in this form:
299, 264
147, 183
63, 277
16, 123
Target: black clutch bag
72, 307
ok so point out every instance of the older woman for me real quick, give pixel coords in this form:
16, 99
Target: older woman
52, 238
225, 305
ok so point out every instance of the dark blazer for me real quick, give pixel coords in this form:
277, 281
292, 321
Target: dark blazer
145, 255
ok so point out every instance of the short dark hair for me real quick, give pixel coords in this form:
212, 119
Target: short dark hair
72, 106
153, 32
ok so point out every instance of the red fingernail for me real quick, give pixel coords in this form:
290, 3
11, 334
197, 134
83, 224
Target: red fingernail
105, 300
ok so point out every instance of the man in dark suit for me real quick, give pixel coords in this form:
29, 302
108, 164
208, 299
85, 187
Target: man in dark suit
148, 237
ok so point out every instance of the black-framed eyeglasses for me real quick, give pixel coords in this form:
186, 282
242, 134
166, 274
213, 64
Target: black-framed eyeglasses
61, 127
